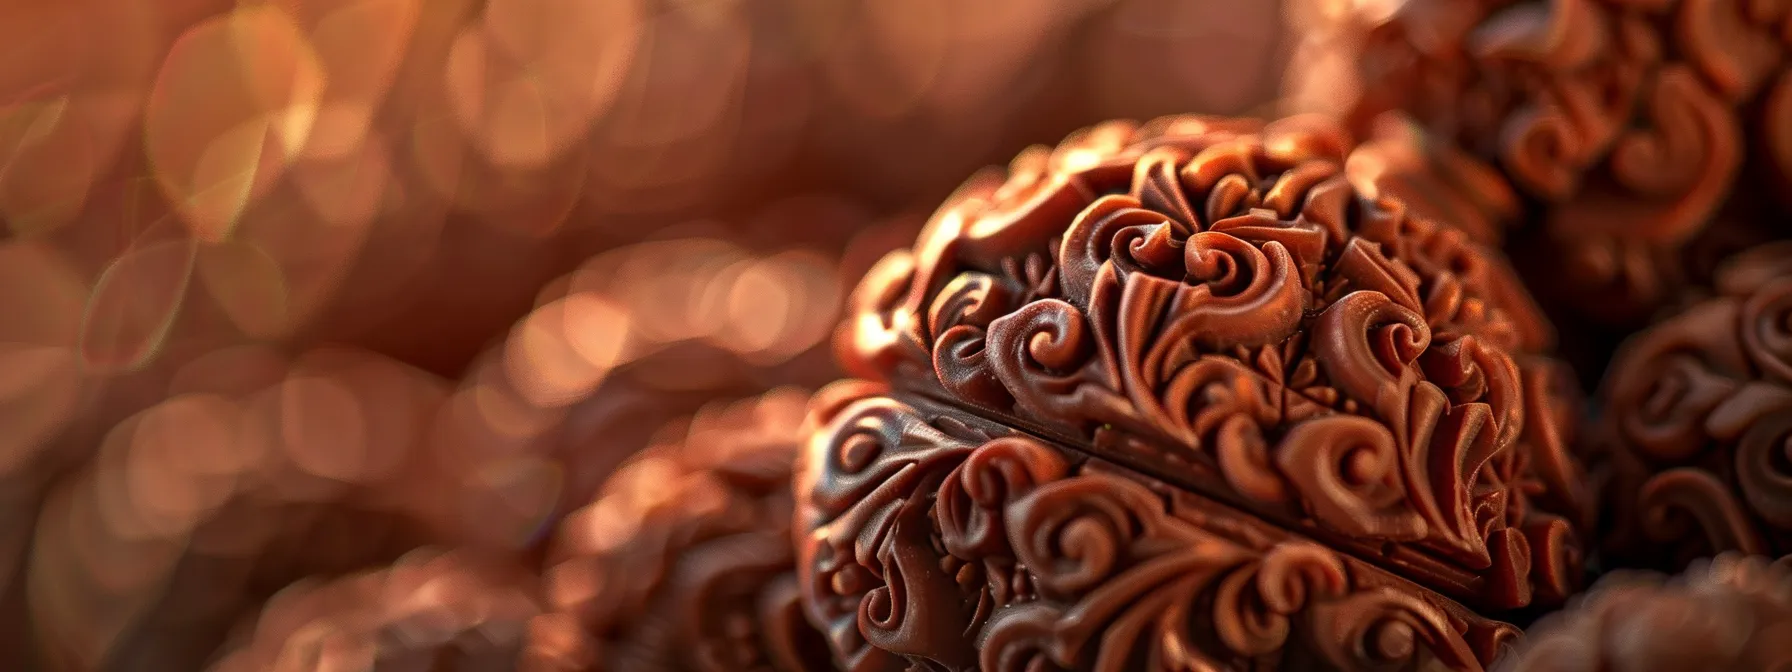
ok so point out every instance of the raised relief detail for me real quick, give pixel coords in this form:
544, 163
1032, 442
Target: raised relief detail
683, 562
1638, 127
1694, 447
1231, 307
925, 542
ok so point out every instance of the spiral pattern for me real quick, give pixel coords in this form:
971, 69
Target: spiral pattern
1764, 469
1183, 296
1401, 631
1700, 414
973, 498
961, 317
1253, 606
1038, 560
1622, 121
1366, 342
1041, 353
1021, 638
1767, 329
1692, 506
1660, 404
1118, 229
1348, 469
1074, 535
1248, 296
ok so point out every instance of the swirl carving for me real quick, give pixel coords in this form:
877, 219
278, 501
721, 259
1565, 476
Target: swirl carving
1252, 310
1695, 442
698, 532
1767, 329
1638, 129
870, 575
1059, 563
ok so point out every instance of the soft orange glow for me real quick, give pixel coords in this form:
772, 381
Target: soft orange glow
289, 288
564, 349
234, 104
135, 304
531, 75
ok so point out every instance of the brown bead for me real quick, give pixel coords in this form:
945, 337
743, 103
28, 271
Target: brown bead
683, 561
1131, 572
637, 339
1649, 138
1692, 447
1247, 317
431, 611
1728, 614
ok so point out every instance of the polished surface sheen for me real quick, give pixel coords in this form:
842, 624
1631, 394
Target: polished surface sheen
1241, 315
949, 543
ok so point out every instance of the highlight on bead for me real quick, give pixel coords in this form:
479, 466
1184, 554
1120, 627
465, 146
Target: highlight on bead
876, 335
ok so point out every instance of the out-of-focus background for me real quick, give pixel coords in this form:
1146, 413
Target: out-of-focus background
292, 288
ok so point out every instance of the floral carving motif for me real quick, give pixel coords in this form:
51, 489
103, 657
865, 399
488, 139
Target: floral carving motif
683, 562
1632, 123
925, 545
1695, 448
1233, 308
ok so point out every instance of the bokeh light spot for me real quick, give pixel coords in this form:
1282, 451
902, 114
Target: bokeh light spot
248, 285
564, 349
233, 104
47, 164
134, 304
323, 428
531, 75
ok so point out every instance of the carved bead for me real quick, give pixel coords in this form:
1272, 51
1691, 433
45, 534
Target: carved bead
1727, 614
1126, 571
1692, 448
683, 561
1651, 138
1326, 416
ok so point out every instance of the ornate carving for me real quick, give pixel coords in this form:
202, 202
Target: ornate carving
926, 543
1631, 124
683, 562
1694, 448
1225, 306
1727, 614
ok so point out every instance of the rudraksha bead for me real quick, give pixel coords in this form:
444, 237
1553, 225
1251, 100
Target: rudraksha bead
1691, 451
1183, 394
1649, 138
1730, 614
683, 562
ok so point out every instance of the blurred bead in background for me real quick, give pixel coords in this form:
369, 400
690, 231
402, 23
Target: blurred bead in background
1730, 613
1691, 450
1647, 140
431, 610
683, 560
293, 287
